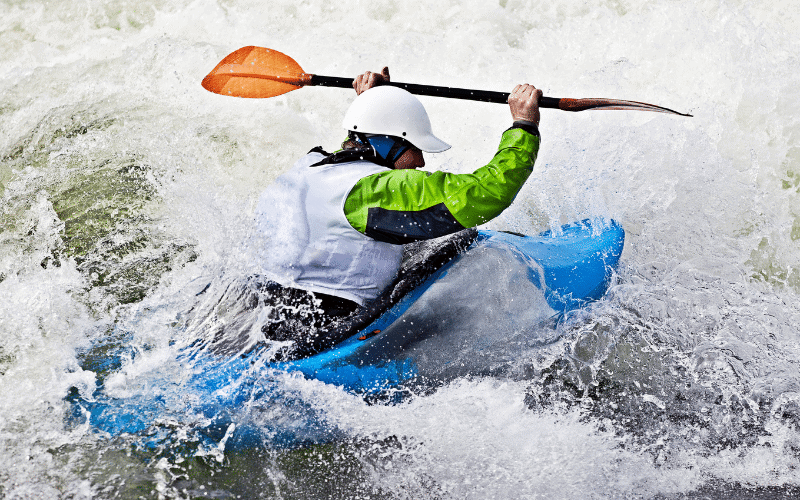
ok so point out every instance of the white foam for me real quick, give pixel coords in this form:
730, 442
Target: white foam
709, 203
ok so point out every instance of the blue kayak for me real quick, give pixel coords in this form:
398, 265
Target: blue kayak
468, 317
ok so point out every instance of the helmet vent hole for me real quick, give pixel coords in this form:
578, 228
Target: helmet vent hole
355, 127
404, 134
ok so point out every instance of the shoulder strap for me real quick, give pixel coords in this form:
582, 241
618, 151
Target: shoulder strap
348, 156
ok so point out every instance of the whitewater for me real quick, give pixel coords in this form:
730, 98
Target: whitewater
125, 188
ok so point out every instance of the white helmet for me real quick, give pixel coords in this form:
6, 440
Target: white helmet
393, 111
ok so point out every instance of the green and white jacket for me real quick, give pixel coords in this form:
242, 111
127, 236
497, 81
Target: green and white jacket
337, 222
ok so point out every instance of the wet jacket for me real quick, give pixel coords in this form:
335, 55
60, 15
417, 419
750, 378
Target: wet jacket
338, 220
401, 206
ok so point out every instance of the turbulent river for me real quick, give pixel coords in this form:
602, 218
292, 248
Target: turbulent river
125, 187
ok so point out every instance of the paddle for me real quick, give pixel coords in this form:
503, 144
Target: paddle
258, 72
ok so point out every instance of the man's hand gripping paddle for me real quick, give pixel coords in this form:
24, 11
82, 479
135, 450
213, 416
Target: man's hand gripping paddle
258, 72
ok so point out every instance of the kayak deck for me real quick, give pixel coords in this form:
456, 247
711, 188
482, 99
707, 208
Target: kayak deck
570, 269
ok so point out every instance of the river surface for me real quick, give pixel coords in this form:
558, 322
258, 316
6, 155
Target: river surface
125, 188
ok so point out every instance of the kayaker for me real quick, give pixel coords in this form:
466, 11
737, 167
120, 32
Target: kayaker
336, 223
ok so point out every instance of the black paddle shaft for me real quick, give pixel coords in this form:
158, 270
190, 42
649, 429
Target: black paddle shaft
432, 90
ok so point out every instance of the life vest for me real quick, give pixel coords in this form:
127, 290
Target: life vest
308, 242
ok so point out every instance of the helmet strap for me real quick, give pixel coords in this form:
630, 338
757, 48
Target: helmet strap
378, 143
398, 148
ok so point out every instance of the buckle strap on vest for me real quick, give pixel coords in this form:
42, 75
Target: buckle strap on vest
350, 155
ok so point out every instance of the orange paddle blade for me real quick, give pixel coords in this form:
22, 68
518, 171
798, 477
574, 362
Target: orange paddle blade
255, 72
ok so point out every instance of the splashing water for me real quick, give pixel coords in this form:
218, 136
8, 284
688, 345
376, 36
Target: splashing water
126, 188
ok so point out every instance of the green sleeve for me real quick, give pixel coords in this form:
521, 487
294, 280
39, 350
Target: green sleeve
400, 206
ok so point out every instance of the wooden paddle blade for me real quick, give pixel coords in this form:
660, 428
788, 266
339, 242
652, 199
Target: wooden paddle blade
255, 72
566, 104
